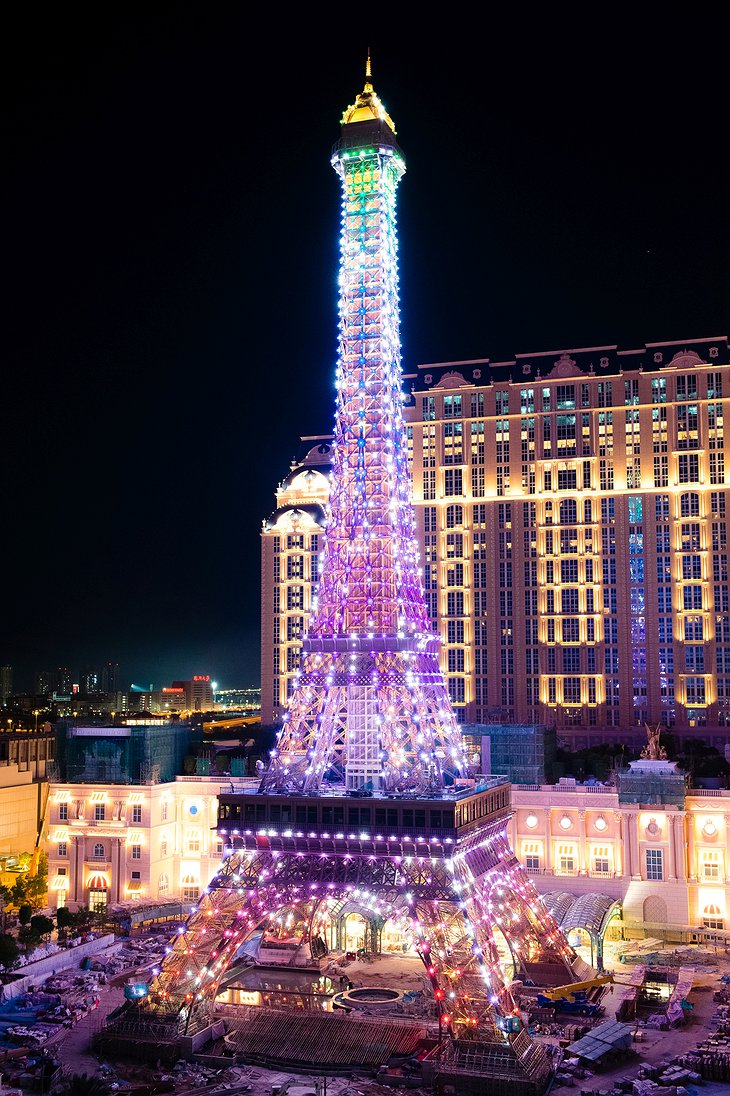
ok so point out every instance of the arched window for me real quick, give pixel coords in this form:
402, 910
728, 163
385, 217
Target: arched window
190, 888
712, 917
689, 504
454, 516
163, 885
568, 512
99, 850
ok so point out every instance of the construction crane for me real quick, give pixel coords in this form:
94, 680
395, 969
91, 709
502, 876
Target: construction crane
557, 992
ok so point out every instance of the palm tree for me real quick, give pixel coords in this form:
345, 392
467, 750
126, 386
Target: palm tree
84, 1084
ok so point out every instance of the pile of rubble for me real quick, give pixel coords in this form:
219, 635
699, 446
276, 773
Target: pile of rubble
711, 1058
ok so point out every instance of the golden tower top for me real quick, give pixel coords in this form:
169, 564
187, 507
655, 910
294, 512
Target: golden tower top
367, 106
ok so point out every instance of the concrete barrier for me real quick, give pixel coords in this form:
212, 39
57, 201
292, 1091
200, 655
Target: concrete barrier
35, 973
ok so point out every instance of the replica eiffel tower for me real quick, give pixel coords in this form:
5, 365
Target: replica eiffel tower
368, 803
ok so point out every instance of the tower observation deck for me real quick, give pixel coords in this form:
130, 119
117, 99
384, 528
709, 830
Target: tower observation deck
368, 801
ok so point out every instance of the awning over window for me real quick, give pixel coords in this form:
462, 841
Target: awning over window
135, 885
60, 882
97, 882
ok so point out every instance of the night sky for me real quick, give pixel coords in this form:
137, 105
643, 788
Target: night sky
170, 263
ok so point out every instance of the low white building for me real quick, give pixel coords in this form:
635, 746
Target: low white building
665, 863
108, 843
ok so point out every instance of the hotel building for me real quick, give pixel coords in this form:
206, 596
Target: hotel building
572, 516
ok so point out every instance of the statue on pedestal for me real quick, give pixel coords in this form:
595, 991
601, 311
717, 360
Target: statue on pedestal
653, 751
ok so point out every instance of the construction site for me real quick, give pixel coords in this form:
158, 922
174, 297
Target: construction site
653, 1028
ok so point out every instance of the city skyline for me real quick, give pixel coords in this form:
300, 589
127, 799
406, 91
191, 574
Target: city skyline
157, 228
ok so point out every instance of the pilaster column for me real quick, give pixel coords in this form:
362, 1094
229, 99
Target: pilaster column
548, 842
582, 859
692, 866
632, 841
76, 866
725, 846
619, 860
117, 868
671, 853
679, 846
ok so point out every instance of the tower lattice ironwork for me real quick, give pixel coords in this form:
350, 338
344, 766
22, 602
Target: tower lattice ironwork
368, 803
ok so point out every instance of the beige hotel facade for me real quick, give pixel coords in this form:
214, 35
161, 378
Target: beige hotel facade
572, 513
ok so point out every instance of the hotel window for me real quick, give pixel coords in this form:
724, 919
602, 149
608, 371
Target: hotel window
163, 811
568, 570
710, 864
63, 812
689, 467
453, 481
654, 864
429, 447
99, 812
99, 851
601, 861
691, 567
163, 847
454, 516
136, 852
692, 597
62, 849
137, 812
456, 660
712, 917
453, 443
193, 841
452, 407
163, 885
695, 690
566, 858
571, 690
689, 505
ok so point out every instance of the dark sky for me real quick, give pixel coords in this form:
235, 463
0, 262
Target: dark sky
170, 261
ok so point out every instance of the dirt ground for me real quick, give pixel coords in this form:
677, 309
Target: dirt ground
406, 972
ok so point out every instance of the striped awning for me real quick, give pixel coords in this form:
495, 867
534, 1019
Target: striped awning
135, 885
97, 882
61, 882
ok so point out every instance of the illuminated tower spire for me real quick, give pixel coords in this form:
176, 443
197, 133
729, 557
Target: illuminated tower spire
370, 707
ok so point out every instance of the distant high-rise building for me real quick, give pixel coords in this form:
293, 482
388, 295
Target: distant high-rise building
110, 680
64, 681
45, 682
6, 683
198, 693
90, 681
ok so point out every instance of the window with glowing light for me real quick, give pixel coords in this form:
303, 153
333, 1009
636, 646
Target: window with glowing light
713, 917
